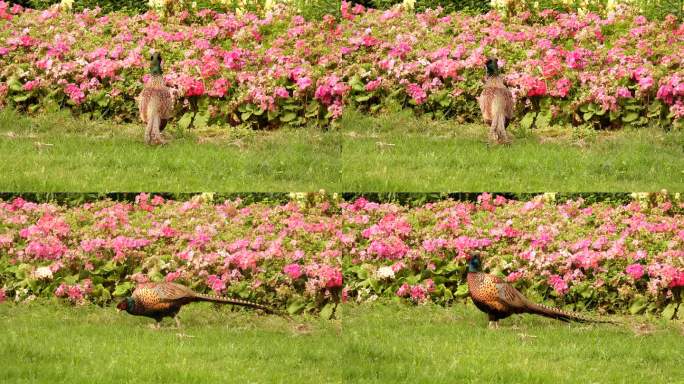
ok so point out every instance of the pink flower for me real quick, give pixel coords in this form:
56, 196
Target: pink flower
404, 290
418, 293
282, 93
624, 93
417, 93
219, 88
373, 84
645, 83
172, 276
216, 283
303, 83
3, 295
558, 284
635, 270
562, 88
514, 276
61, 290
294, 271
536, 87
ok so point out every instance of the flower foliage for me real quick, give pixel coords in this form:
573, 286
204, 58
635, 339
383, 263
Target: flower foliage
602, 256
613, 69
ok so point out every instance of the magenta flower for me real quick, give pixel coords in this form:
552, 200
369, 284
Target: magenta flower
294, 271
3, 295
635, 270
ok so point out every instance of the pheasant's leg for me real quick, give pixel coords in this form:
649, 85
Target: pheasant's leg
493, 324
177, 322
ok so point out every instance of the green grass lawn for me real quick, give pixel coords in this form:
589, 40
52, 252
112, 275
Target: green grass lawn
58, 153
430, 344
45, 342
50, 343
399, 152
390, 153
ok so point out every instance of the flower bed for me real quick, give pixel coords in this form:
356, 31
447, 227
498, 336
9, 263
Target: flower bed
615, 258
281, 69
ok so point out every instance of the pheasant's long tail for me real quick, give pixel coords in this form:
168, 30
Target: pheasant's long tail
498, 128
153, 133
226, 300
559, 314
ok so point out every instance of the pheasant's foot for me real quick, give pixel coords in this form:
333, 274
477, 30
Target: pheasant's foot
178, 325
493, 325
155, 326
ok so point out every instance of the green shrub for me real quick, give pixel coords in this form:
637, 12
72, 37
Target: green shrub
476, 6
107, 6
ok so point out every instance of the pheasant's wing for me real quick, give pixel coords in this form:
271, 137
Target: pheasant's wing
173, 292
512, 297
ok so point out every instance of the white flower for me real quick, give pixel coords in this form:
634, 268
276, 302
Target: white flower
66, 5
42, 273
385, 273
549, 197
408, 5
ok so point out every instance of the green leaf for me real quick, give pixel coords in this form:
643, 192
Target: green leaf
20, 98
202, 120
14, 84
122, 289
327, 311
296, 306
630, 116
587, 116
244, 116
527, 120
362, 98
669, 311
287, 117
184, 122
462, 290
638, 305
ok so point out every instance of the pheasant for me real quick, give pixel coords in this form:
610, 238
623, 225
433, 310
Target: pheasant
496, 103
159, 300
155, 103
498, 299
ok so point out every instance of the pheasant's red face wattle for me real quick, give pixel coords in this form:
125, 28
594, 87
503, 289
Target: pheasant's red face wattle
122, 305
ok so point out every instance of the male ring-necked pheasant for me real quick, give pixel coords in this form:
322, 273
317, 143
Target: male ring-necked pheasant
159, 300
155, 103
496, 103
498, 299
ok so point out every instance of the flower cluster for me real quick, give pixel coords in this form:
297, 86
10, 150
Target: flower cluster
616, 68
319, 250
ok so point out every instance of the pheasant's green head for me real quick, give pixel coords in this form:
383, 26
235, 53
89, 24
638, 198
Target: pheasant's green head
474, 265
126, 304
492, 67
155, 64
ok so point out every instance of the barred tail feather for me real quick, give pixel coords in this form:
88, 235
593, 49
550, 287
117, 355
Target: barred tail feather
559, 314
225, 300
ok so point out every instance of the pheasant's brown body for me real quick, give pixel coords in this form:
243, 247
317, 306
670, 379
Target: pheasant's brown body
159, 300
156, 108
496, 105
500, 300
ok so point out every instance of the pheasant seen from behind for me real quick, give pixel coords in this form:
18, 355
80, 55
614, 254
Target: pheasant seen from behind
159, 300
496, 103
155, 103
499, 300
